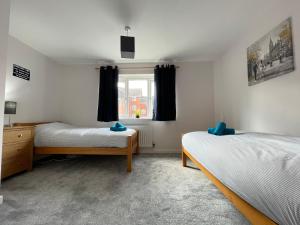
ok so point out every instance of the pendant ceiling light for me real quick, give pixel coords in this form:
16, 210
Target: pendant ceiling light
127, 45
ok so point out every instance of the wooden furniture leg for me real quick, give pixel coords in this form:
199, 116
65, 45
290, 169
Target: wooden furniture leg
129, 154
183, 157
137, 143
129, 162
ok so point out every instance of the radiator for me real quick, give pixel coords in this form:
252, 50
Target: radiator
145, 134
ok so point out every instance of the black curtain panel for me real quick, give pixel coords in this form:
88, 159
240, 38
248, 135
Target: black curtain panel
165, 97
108, 94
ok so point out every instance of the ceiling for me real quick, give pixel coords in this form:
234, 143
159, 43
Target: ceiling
88, 31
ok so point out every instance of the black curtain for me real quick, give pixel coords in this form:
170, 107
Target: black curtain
165, 97
108, 94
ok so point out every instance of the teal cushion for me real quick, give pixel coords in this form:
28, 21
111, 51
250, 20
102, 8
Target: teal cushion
211, 130
219, 130
118, 124
118, 127
229, 131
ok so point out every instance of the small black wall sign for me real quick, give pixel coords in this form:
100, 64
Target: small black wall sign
21, 72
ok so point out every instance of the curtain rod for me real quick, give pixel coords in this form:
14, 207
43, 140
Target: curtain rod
130, 68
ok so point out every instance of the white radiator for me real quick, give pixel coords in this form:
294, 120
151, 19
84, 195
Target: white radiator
145, 134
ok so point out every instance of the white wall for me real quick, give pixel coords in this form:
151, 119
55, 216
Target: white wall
4, 23
272, 106
194, 101
39, 98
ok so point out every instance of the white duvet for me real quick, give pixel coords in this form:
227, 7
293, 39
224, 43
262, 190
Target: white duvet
64, 135
262, 169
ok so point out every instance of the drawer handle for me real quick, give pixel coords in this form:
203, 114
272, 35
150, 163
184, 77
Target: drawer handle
20, 135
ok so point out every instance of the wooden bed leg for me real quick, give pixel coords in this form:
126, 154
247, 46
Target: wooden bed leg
129, 162
137, 151
183, 157
129, 154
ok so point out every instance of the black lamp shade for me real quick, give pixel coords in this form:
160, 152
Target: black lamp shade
10, 107
127, 47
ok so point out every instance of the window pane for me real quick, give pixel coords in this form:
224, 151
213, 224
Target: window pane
152, 88
121, 89
135, 97
122, 107
152, 98
138, 104
138, 88
122, 99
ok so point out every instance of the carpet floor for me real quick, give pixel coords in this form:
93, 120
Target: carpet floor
98, 191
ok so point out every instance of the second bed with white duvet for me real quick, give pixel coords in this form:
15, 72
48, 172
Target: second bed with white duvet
65, 135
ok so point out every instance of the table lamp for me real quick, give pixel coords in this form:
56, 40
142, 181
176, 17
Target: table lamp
10, 109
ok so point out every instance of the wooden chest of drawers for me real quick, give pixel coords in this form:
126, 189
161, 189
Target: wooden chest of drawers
17, 150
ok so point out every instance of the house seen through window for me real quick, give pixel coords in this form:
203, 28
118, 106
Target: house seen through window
136, 94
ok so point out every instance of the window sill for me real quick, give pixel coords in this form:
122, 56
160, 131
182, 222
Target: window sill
135, 120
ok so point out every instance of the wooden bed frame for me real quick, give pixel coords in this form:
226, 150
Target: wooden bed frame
132, 147
252, 214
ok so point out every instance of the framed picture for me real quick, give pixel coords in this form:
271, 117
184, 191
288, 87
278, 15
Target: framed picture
272, 55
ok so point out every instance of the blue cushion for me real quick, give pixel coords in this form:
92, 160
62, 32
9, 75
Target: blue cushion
211, 130
118, 124
219, 130
229, 131
118, 127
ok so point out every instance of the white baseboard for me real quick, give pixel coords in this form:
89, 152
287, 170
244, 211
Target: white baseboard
158, 151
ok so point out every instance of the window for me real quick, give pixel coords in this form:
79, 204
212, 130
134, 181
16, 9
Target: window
136, 95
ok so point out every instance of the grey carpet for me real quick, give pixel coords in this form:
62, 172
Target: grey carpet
98, 191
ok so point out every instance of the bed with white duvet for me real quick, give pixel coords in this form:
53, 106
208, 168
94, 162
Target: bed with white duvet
262, 169
65, 135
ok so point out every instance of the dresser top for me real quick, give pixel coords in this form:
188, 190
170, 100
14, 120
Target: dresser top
17, 128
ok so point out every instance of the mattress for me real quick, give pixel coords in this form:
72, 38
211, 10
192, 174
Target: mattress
64, 135
263, 169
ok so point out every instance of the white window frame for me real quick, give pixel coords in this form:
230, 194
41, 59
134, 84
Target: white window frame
126, 78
